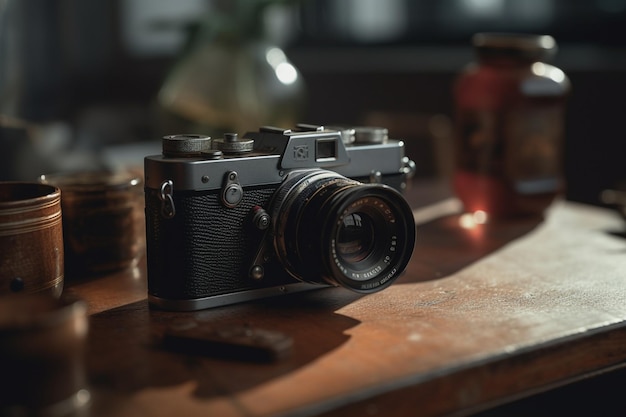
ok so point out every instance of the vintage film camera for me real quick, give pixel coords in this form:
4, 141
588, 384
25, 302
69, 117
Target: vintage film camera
274, 212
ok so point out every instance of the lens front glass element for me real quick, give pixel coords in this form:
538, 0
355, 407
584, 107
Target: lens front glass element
365, 242
355, 239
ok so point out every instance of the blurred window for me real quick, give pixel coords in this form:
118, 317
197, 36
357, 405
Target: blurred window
367, 22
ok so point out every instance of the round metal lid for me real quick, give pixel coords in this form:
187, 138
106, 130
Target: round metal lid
519, 44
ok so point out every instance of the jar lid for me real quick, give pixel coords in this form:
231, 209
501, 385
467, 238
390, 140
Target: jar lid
529, 46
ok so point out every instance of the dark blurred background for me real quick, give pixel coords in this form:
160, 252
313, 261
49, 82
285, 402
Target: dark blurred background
80, 80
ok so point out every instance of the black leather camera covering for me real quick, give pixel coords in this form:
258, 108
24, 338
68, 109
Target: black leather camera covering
206, 248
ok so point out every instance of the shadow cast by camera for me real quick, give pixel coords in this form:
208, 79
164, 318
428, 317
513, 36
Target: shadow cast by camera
125, 354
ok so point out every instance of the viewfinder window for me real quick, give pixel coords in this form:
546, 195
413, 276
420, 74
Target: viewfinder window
326, 150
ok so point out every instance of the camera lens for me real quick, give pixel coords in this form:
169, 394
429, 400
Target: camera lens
333, 230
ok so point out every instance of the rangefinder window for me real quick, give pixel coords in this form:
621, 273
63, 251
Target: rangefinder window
326, 150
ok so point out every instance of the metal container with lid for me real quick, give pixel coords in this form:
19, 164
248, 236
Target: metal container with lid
103, 225
31, 239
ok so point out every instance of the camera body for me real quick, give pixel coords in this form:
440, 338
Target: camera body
277, 211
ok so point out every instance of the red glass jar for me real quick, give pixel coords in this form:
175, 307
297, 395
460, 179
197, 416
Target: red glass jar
509, 126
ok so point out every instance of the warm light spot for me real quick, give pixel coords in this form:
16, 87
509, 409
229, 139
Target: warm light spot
414, 337
466, 221
539, 68
480, 217
471, 220
544, 70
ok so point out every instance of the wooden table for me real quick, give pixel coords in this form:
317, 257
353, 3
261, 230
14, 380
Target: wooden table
483, 315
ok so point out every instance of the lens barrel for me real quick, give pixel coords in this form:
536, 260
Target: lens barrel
329, 229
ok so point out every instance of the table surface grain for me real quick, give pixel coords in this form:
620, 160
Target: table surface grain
483, 315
